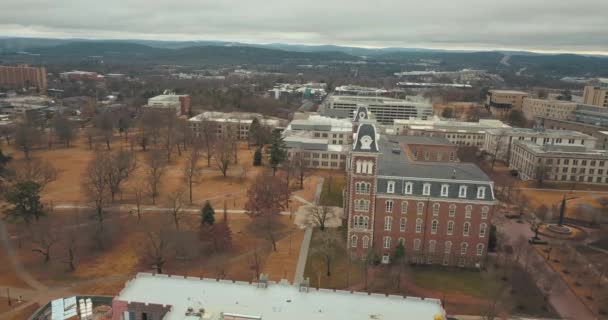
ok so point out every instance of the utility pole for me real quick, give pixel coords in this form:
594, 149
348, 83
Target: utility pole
8, 296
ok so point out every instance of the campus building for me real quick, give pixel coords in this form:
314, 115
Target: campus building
385, 109
439, 212
559, 163
178, 103
555, 109
23, 76
501, 102
598, 132
597, 96
76, 75
223, 123
427, 149
461, 133
499, 142
159, 296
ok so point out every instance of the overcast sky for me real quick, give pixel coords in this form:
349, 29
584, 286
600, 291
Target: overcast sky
540, 25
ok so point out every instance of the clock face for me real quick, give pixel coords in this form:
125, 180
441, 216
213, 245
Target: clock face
361, 115
366, 142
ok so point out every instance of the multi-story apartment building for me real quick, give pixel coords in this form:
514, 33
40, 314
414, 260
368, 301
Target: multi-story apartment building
590, 114
598, 132
501, 102
223, 123
499, 142
439, 212
457, 132
597, 96
559, 163
385, 109
16, 77
178, 103
555, 109
158, 296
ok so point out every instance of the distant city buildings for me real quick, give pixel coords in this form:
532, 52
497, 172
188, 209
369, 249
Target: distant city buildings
32, 109
597, 96
555, 109
501, 102
23, 76
159, 296
179, 103
235, 123
76, 75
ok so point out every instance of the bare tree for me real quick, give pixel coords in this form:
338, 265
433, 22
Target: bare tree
319, 215
169, 140
26, 138
192, 171
158, 248
301, 166
223, 153
329, 242
40, 171
268, 196
96, 184
156, 165
500, 141
208, 138
91, 133
105, 122
176, 203
44, 238
64, 129
138, 194
121, 165
72, 243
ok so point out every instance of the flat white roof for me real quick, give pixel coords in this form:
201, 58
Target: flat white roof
276, 302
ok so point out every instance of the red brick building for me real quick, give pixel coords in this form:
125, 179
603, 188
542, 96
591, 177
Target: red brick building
439, 211
428, 149
17, 77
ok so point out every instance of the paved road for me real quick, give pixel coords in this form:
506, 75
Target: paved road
299, 274
563, 300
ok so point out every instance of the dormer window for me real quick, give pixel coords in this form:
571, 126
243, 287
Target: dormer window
408, 188
390, 187
481, 192
462, 192
444, 190
426, 189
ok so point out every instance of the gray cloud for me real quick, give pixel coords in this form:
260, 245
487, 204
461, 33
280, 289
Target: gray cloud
543, 25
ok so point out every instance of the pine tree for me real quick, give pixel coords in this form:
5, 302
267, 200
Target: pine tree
257, 157
278, 151
25, 198
207, 214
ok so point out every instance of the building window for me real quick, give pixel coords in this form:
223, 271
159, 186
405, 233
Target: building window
362, 187
480, 249
408, 188
417, 244
359, 164
365, 242
388, 222
353, 241
482, 230
404, 207
448, 247
402, 224
484, 212
389, 205
462, 192
463, 248
436, 209
481, 192
420, 209
452, 211
390, 187
466, 229
401, 241
432, 245
434, 226
418, 225
387, 242
361, 205
450, 227
444, 190
467, 211
426, 189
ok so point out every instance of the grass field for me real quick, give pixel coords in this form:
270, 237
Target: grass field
332, 191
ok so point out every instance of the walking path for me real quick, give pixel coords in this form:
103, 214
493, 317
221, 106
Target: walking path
299, 275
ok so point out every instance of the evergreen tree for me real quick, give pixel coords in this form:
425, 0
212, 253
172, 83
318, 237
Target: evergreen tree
207, 214
254, 132
278, 151
4, 160
25, 198
257, 157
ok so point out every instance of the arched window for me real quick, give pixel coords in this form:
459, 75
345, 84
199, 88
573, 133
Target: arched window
417, 244
444, 190
402, 241
436, 207
482, 230
418, 225
432, 245
480, 249
402, 224
448, 247
450, 227
358, 163
484, 212
365, 242
420, 209
452, 211
408, 188
388, 223
389, 205
462, 192
463, 248
365, 222
390, 187
426, 189
467, 211
353, 241
466, 229
434, 226
368, 187
404, 207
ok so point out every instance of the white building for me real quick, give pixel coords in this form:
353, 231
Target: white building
233, 122
499, 142
180, 103
165, 297
457, 132
555, 109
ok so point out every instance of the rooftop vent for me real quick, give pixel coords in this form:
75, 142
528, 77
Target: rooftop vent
305, 285
263, 283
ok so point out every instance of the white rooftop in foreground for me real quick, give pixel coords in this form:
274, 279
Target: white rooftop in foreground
276, 302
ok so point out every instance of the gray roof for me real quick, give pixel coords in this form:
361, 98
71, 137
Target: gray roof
420, 140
